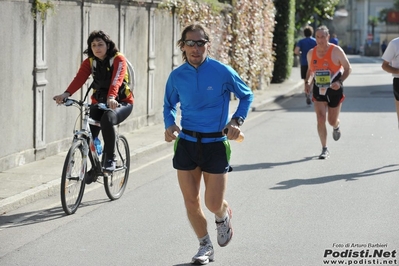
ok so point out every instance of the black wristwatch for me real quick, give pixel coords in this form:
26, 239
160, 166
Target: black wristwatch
239, 120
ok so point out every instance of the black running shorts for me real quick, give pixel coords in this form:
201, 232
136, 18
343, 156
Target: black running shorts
332, 97
211, 157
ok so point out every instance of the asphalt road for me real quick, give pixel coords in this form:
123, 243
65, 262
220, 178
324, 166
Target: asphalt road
289, 208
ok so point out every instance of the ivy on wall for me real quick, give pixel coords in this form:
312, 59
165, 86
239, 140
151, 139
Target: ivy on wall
242, 33
41, 8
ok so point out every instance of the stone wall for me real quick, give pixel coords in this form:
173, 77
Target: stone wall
40, 58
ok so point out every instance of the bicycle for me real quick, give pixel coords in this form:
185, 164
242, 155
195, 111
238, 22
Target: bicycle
74, 173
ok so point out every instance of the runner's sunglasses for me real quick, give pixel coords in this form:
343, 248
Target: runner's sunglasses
191, 43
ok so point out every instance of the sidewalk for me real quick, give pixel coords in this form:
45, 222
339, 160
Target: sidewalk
25, 184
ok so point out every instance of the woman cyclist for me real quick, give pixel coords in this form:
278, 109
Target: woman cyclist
109, 70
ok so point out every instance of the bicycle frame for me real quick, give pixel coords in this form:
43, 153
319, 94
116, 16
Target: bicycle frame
84, 135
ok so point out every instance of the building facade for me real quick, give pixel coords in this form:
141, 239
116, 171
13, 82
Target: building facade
351, 24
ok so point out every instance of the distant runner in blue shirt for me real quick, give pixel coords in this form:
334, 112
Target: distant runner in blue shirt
334, 39
202, 86
302, 48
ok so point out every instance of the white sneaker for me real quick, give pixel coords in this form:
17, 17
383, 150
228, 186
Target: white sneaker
225, 231
324, 153
204, 255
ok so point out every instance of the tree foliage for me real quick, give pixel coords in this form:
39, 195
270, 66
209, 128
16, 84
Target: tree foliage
383, 14
309, 11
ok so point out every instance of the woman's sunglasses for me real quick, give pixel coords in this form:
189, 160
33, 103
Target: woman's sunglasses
191, 43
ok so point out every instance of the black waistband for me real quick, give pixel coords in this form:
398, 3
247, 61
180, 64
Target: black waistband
200, 135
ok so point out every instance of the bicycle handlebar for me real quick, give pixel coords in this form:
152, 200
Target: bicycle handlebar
70, 102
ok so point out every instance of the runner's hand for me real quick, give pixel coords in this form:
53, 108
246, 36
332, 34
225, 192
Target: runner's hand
171, 133
232, 131
336, 85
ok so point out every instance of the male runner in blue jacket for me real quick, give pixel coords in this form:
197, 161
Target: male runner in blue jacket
202, 86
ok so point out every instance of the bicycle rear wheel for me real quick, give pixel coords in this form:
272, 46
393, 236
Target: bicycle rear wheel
72, 186
116, 182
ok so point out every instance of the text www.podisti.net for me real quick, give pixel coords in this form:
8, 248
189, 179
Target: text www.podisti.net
360, 257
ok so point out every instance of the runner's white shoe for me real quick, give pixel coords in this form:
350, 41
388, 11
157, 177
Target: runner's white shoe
324, 153
225, 231
204, 255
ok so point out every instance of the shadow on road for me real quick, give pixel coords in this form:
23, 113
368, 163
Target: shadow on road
246, 167
34, 217
331, 178
28, 218
354, 101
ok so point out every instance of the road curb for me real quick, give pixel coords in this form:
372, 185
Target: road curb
29, 196
296, 89
52, 188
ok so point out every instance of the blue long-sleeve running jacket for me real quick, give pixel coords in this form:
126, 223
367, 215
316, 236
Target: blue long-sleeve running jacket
204, 97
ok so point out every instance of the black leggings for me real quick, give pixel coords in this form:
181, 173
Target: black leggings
108, 120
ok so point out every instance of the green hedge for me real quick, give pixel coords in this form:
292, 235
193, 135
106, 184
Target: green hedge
283, 40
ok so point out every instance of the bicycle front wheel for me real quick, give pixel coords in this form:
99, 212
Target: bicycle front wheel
116, 182
72, 186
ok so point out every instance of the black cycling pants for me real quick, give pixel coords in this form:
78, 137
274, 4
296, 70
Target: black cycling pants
108, 120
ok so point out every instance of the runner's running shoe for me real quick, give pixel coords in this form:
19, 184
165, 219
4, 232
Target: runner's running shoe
225, 231
324, 153
204, 255
336, 133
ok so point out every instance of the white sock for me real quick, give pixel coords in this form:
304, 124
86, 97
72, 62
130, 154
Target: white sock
205, 239
220, 219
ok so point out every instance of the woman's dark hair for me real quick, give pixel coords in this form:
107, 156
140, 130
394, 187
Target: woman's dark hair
196, 26
112, 49
308, 31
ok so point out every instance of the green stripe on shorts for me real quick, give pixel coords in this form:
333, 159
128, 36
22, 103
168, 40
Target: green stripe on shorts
228, 149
